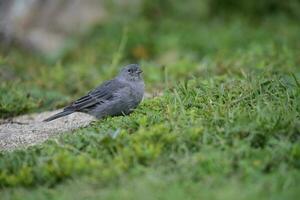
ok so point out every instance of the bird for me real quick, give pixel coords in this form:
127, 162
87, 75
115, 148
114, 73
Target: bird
119, 96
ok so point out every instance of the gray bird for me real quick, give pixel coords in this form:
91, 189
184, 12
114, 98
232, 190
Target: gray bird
118, 96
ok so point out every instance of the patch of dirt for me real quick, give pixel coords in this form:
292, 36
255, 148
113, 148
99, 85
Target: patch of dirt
28, 130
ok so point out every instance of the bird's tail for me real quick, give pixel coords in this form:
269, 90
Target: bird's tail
58, 115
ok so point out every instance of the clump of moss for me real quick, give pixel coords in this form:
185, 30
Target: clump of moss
16, 99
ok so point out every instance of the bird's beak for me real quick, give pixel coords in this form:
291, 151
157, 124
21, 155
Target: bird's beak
139, 71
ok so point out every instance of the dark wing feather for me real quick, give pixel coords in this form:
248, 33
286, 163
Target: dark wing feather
97, 96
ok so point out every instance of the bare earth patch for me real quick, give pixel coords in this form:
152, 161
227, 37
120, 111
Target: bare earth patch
28, 130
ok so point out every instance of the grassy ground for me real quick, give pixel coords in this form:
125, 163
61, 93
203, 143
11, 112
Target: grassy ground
226, 127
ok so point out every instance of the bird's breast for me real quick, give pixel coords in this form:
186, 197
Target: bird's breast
138, 91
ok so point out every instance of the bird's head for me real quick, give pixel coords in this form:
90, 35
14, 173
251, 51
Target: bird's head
131, 72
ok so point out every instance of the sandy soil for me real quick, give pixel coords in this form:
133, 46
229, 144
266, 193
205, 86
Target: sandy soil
27, 130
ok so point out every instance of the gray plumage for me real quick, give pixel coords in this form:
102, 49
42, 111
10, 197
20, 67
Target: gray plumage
118, 96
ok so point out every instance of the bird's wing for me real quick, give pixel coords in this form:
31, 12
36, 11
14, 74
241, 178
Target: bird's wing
98, 96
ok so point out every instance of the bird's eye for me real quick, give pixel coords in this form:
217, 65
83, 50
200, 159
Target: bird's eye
129, 70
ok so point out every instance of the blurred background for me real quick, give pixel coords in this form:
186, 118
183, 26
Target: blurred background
54, 50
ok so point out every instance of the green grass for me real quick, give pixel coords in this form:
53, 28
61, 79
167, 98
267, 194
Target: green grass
196, 134
16, 99
226, 127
